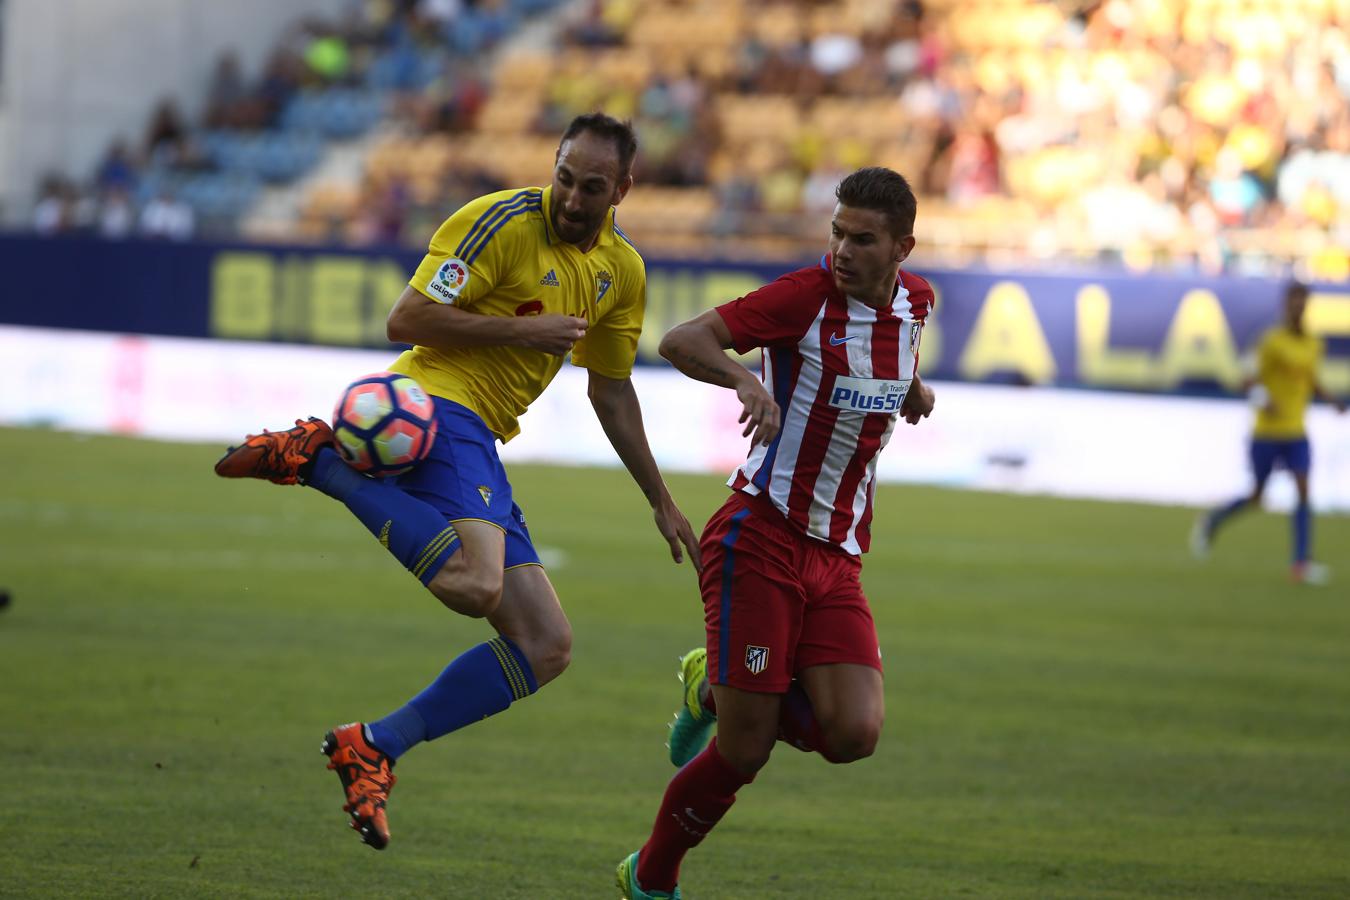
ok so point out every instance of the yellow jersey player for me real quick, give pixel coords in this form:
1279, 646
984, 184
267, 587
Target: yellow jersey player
1285, 382
510, 285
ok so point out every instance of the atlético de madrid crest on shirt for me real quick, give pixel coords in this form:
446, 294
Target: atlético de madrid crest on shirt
756, 658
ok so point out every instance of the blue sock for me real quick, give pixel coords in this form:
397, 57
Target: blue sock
1302, 532
480, 682
1221, 514
412, 530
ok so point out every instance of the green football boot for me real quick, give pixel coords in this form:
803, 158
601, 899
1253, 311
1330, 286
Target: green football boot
694, 723
629, 889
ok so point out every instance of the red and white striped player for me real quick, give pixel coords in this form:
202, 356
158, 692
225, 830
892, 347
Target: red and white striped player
792, 650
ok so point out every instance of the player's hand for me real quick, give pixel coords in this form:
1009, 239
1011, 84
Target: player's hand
675, 528
553, 334
918, 403
759, 412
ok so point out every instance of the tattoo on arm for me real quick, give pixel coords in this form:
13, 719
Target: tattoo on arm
693, 364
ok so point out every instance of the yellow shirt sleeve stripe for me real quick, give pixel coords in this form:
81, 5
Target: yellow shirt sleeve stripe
492, 221
626, 239
506, 216
480, 224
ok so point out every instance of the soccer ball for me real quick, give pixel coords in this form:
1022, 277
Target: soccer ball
384, 424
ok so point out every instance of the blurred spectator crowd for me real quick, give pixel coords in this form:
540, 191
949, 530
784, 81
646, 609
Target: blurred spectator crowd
324, 81
1193, 135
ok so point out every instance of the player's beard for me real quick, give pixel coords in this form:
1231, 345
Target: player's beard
575, 232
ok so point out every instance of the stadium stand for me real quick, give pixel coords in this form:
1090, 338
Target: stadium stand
326, 83
1191, 135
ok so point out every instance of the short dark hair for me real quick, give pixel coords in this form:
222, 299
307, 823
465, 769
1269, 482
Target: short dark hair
601, 125
1295, 288
884, 190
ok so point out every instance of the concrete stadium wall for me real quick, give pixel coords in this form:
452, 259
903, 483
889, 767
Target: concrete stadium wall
77, 73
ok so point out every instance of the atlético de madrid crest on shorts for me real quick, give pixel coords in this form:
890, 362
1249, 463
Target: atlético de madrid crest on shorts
756, 658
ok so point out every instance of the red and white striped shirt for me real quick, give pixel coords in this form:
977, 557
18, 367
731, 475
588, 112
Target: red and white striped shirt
839, 370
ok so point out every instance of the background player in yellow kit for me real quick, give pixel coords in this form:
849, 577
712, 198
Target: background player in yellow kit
1285, 382
510, 284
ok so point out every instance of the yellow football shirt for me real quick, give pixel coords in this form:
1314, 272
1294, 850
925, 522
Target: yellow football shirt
499, 256
1287, 367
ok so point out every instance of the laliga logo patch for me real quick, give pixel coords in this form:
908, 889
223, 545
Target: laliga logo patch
915, 329
449, 280
756, 658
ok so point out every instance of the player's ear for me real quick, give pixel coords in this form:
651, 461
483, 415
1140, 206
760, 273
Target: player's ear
903, 248
621, 189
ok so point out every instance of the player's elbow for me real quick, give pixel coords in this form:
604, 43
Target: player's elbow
397, 328
407, 318
674, 342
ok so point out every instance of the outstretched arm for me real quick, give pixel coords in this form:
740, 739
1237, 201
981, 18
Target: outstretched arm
417, 319
1327, 397
616, 406
698, 349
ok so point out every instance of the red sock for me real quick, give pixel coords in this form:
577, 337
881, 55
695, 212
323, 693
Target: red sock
797, 724
696, 799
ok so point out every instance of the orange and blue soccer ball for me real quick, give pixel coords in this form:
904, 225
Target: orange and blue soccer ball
384, 424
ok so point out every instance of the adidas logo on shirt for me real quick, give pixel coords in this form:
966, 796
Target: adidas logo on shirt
550, 280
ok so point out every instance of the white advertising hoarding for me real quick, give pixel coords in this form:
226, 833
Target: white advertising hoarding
1034, 440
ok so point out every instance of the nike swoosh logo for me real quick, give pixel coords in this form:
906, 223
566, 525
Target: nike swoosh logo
690, 813
836, 340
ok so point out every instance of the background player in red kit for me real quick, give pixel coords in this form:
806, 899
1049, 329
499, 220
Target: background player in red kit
792, 650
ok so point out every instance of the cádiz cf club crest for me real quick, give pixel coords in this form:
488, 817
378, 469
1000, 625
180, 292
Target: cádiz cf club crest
603, 280
486, 493
756, 658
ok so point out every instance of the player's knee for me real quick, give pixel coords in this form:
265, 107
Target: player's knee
746, 757
550, 654
854, 741
747, 762
467, 593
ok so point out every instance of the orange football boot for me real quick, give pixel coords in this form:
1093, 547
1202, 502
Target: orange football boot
276, 455
367, 778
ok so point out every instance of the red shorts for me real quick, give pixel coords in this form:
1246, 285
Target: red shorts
776, 601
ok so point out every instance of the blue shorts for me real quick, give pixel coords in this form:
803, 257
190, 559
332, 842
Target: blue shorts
1295, 455
464, 479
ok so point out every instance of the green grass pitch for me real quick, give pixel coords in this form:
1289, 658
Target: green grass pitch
1075, 708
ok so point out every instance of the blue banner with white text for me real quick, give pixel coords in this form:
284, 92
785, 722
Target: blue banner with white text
1101, 330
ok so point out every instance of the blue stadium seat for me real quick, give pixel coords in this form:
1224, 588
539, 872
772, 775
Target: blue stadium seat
403, 68
334, 112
